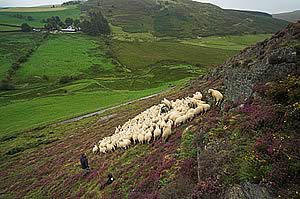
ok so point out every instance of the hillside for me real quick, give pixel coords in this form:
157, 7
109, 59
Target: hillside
183, 18
289, 16
248, 148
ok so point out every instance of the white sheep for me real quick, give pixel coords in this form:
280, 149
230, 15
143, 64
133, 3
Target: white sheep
110, 147
141, 138
197, 96
148, 136
217, 96
181, 120
167, 103
167, 131
95, 149
152, 123
157, 132
102, 149
206, 107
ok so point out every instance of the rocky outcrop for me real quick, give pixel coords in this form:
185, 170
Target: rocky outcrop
270, 60
247, 191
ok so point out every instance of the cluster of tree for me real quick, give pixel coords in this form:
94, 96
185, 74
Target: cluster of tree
19, 16
95, 24
69, 3
26, 28
6, 84
55, 23
15, 66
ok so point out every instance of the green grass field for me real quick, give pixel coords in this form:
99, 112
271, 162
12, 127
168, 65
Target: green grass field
137, 55
24, 114
34, 9
66, 55
8, 28
14, 45
7, 16
227, 42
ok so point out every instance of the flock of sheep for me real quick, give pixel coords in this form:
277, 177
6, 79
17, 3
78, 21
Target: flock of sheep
157, 121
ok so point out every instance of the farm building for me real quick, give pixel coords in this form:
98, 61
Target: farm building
69, 29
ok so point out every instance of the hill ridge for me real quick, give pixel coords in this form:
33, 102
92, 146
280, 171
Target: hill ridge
184, 18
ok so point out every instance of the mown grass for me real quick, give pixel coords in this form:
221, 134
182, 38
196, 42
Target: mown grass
7, 15
65, 55
227, 42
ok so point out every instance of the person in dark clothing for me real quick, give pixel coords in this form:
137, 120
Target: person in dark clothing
84, 164
108, 182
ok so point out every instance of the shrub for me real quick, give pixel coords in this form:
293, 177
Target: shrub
66, 79
6, 85
209, 188
268, 145
188, 169
178, 189
257, 114
286, 91
15, 66
291, 119
26, 28
23, 59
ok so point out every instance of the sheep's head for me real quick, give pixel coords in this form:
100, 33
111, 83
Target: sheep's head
209, 91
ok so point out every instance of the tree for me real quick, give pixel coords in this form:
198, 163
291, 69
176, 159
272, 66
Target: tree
30, 18
69, 21
76, 22
96, 25
26, 28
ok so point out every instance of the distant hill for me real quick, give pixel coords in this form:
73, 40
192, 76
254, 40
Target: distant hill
288, 16
184, 18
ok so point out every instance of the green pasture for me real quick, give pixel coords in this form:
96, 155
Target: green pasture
8, 28
137, 55
28, 113
66, 55
231, 42
121, 35
7, 16
33, 9
14, 45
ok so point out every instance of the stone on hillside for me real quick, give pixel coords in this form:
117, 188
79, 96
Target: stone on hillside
247, 191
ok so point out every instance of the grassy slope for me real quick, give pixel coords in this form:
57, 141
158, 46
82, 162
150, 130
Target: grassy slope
290, 16
76, 55
155, 53
43, 110
14, 45
184, 18
8, 18
227, 42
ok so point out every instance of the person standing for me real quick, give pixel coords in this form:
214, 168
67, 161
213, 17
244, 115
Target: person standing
84, 164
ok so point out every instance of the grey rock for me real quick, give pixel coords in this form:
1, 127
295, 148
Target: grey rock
247, 191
